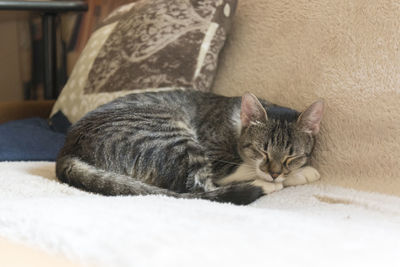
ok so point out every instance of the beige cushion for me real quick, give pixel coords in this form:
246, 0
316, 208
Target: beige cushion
149, 45
346, 52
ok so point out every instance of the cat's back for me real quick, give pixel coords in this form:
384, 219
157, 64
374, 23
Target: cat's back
178, 103
152, 101
137, 111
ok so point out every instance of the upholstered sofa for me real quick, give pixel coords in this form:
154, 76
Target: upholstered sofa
291, 53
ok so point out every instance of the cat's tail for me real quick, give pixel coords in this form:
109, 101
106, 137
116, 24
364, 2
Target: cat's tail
79, 174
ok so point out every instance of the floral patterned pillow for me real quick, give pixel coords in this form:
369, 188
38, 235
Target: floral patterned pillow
148, 45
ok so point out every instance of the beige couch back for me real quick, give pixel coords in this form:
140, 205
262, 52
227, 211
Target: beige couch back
293, 52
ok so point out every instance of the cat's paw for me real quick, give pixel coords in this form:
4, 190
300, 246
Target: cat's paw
267, 187
302, 176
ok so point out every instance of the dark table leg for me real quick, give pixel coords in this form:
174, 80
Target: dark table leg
50, 55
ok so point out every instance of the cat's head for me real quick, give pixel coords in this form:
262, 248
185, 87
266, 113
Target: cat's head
276, 146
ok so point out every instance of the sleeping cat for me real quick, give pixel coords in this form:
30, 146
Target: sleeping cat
190, 144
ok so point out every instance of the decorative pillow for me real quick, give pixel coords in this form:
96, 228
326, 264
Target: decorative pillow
149, 45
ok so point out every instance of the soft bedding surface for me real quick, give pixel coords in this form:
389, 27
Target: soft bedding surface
313, 225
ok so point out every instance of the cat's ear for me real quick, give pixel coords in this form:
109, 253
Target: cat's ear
310, 119
251, 110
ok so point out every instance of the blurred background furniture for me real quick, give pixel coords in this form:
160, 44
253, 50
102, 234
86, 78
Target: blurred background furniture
23, 55
49, 11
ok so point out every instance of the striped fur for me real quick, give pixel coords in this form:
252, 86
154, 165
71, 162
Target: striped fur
180, 144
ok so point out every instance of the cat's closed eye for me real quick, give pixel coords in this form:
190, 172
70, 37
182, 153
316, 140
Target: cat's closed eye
295, 162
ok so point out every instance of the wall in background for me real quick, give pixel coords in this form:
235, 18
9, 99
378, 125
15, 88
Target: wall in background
10, 77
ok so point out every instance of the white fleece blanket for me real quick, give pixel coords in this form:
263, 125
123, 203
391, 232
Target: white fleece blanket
311, 225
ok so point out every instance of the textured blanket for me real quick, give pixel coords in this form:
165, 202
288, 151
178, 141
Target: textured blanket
293, 52
312, 225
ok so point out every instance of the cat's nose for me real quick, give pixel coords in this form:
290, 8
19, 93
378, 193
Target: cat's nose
274, 175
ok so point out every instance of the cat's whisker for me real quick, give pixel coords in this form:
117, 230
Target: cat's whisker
223, 161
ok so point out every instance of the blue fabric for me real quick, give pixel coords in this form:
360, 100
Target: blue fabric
29, 139
59, 123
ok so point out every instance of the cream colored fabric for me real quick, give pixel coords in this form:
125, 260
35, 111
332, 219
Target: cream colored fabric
310, 225
293, 52
15, 255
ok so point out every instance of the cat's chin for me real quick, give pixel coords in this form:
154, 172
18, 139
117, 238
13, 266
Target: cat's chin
266, 177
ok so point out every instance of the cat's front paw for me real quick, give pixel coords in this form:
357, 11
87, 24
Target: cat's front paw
267, 187
302, 176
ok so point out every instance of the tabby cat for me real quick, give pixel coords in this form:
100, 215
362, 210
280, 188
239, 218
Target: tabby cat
190, 144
